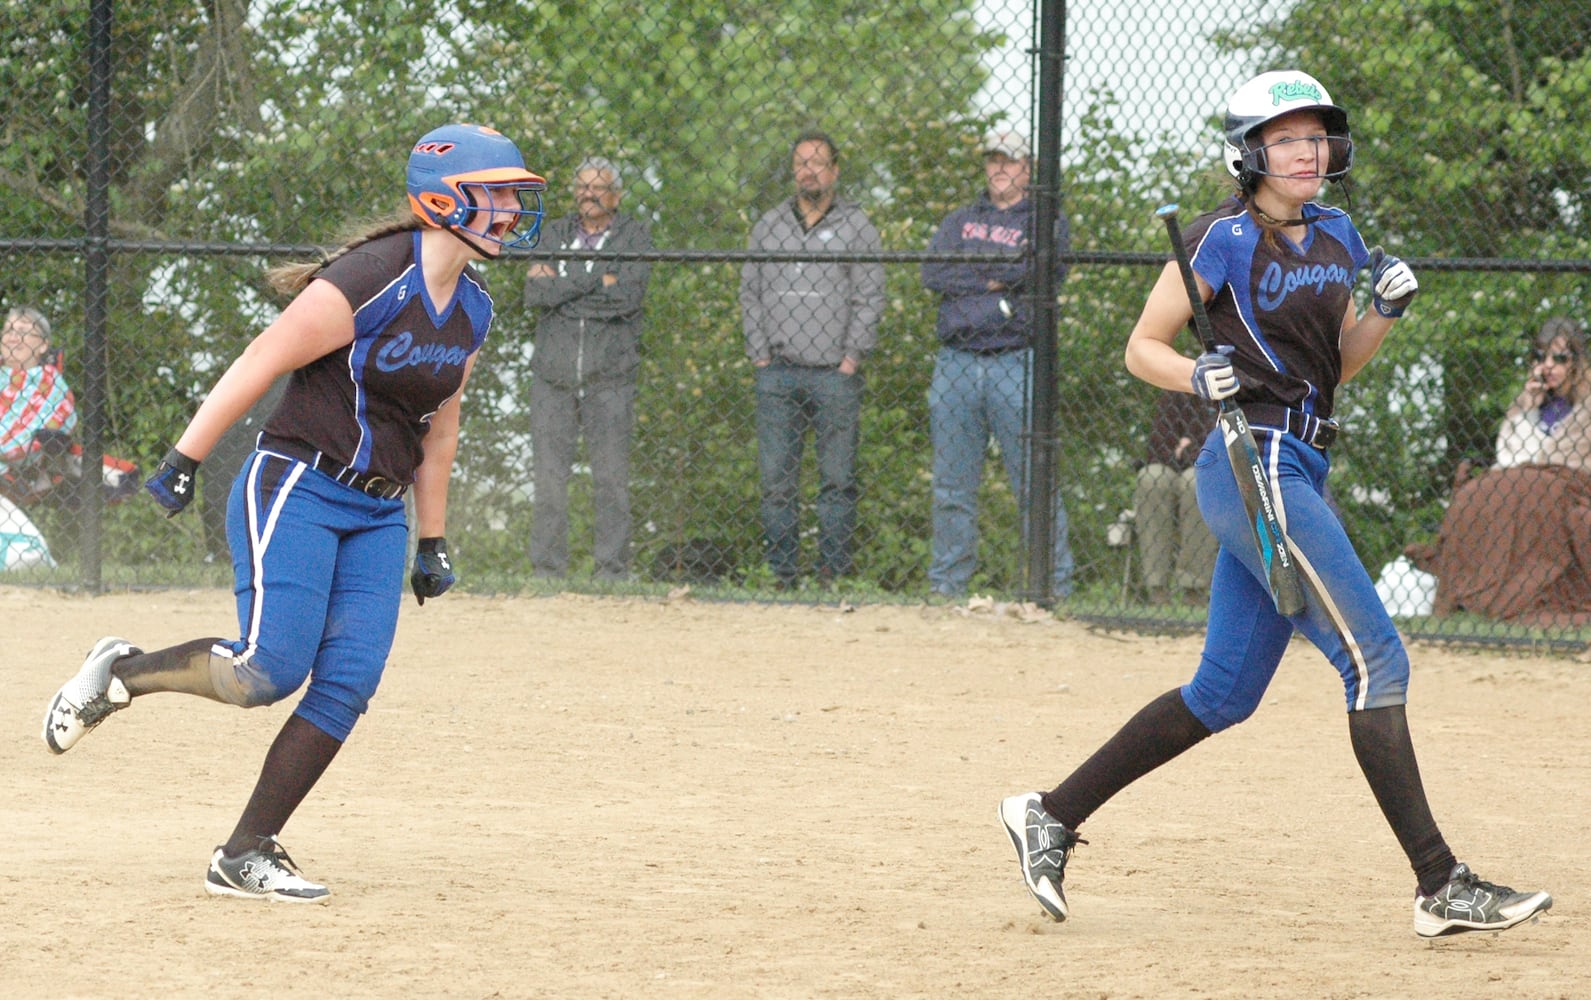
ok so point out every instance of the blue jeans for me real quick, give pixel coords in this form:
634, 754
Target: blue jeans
791, 399
971, 397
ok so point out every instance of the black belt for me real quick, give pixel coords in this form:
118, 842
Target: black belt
370, 486
1311, 430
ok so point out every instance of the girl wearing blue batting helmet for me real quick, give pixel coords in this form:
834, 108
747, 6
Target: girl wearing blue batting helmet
377, 345
1276, 270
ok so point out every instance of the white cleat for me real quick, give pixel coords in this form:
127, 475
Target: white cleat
1043, 846
263, 873
92, 694
1470, 903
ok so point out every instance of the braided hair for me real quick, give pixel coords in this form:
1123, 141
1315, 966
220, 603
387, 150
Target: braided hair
290, 279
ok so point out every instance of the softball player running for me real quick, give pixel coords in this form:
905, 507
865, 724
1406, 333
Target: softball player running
380, 340
1277, 271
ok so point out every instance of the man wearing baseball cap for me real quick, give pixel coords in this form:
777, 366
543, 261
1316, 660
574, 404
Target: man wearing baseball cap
982, 371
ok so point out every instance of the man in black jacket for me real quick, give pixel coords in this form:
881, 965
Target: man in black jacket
587, 351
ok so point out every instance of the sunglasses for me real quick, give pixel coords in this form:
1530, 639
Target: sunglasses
1556, 357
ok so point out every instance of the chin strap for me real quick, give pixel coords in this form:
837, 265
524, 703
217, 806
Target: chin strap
1271, 220
454, 232
1305, 220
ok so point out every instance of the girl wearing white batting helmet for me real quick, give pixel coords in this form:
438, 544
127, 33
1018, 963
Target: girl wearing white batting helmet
1276, 270
377, 344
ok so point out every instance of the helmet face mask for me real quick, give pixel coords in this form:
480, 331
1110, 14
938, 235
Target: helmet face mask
1268, 97
452, 173
525, 217
1335, 151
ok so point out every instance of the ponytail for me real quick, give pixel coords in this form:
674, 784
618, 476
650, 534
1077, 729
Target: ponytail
290, 279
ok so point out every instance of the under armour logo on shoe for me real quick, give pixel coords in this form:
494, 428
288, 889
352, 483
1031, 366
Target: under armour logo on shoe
1045, 828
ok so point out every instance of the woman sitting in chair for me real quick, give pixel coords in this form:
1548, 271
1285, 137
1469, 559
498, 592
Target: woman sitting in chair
1515, 544
1546, 425
33, 397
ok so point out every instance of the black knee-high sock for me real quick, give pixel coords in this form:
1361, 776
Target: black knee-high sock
1385, 751
1160, 731
296, 760
184, 668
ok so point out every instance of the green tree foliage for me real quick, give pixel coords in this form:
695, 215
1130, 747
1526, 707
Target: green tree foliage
1472, 140
288, 122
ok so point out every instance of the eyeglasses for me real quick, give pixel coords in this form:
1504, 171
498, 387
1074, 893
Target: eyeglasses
1556, 357
26, 331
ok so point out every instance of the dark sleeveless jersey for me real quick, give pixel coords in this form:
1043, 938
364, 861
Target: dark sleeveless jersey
369, 405
1282, 307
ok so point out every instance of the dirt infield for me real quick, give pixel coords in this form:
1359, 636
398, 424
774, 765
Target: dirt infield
582, 797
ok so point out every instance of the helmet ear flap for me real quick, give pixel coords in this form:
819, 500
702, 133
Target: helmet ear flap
1232, 159
437, 208
1255, 166
1241, 162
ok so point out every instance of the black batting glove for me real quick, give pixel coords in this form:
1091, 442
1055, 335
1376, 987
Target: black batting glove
433, 573
173, 482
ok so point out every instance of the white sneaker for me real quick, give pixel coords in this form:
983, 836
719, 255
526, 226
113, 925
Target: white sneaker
92, 694
263, 873
1468, 903
1043, 846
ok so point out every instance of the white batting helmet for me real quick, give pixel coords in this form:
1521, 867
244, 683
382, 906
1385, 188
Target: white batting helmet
1267, 97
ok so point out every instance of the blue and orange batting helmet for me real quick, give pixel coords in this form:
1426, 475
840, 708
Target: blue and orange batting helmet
452, 169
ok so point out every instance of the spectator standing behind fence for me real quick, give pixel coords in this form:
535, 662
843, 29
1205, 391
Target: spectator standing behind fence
583, 371
1175, 548
982, 374
810, 325
380, 340
34, 396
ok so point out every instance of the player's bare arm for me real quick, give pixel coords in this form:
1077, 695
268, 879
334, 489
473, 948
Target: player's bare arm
435, 470
317, 322
1361, 339
1150, 355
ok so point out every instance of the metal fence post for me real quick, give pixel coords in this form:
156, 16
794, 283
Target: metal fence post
1040, 527
96, 281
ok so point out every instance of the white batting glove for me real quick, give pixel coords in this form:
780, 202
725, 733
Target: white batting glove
1393, 282
1214, 378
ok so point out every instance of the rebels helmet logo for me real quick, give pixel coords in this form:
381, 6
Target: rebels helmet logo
1295, 90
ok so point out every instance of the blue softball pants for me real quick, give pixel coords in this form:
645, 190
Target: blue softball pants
1246, 636
318, 571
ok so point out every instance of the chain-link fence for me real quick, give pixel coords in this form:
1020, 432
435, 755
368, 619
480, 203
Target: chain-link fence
158, 156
